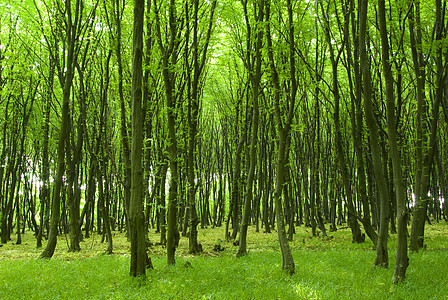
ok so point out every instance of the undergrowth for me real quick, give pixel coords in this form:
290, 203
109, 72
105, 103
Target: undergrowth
326, 268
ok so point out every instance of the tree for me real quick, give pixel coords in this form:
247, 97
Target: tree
170, 52
382, 258
253, 65
198, 60
357, 113
139, 258
426, 131
44, 195
73, 44
123, 122
103, 152
340, 151
284, 131
401, 258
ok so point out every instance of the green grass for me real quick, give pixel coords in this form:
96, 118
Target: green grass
326, 268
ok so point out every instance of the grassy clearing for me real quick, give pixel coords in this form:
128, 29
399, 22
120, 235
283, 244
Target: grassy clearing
326, 268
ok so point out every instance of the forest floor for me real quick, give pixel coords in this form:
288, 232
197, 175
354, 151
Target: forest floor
326, 268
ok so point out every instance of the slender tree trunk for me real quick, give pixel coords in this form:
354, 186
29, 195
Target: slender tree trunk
126, 153
193, 116
161, 203
7, 208
401, 258
149, 106
139, 258
90, 197
64, 131
255, 77
382, 258
103, 194
19, 219
169, 60
73, 206
73, 195
357, 236
426, 134
357, 117
236, 187
44, 195
55, 208
3, 176
103, 147
284, 130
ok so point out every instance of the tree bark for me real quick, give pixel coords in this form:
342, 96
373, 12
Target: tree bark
255, 77
67, 80
401, 258
124, 125
357, 117
284, 129
139, 258
357, 236
44, 194
103, 154
382, 258
194, 103
169, 60
426, 134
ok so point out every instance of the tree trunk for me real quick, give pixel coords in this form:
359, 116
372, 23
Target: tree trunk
357, 118
103, 154
139, 258
255, 77
401, 258
74, 196
169, 60
4, 177
382, 258
123, 122
357, 237
64, 132
44, 194
161, 203
194, 103
103, 194
426, 134
284, 131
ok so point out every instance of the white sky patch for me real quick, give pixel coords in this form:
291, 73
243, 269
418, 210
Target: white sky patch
98, 27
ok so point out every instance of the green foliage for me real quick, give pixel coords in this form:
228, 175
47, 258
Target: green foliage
31, 32
327, 268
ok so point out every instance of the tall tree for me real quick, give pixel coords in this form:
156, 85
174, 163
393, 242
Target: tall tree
199, 57
74, 29
426, 131
104, 159
170, 53
340, 151
74, 161
139, 258
254, 44
44, 194
382, 258
284, 131
357, 113
401, 258
118, 12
